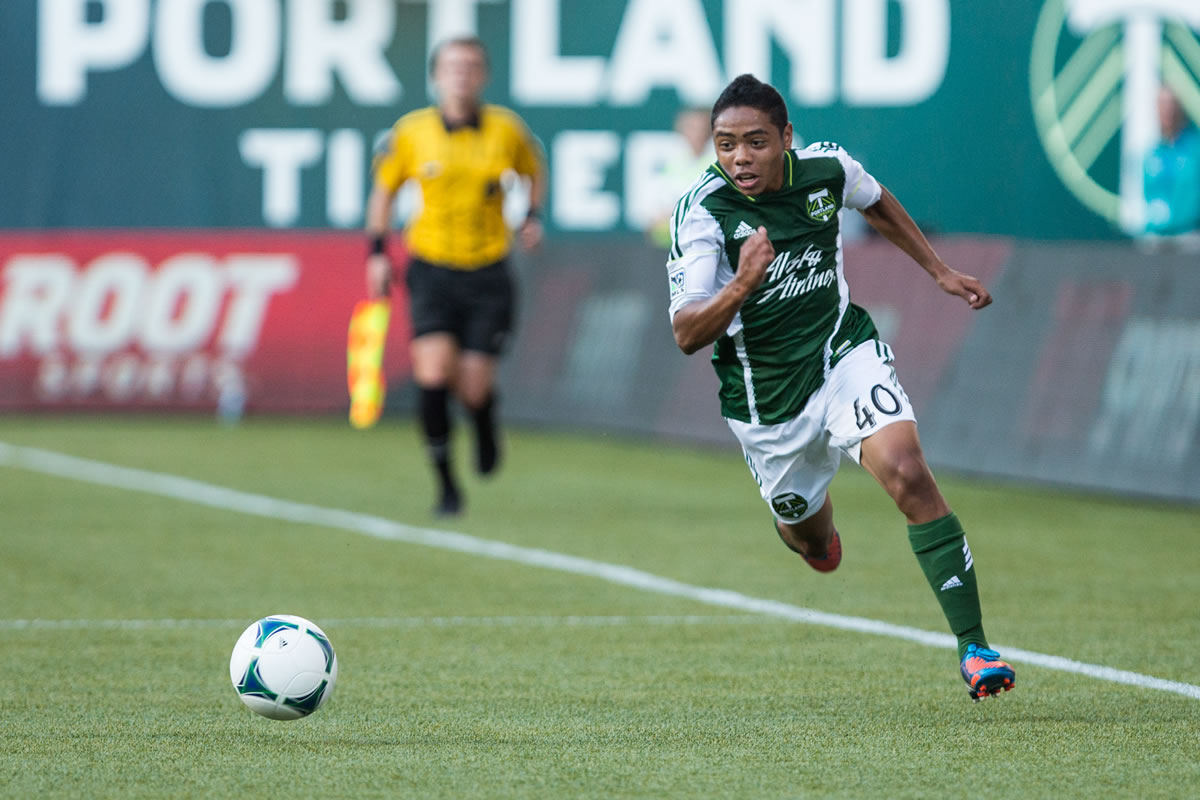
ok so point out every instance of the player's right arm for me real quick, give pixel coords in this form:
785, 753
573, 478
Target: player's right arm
390, 170
701, 308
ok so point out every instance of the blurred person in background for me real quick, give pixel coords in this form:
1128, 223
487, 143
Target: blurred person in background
461, 152
1172, 173
695, 128
756, 268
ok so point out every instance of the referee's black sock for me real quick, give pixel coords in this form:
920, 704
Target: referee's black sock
487, 449
435, 420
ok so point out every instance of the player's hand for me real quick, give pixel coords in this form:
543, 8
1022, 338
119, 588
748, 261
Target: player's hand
966, 287
756, 255
531, 233
379, 276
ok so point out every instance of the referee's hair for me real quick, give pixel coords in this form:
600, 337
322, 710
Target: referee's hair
460, 41
747, 90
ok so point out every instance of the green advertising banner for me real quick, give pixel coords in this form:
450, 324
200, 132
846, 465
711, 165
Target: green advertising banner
1023, 118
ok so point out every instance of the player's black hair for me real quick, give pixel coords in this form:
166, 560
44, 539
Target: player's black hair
747, 90
460, 41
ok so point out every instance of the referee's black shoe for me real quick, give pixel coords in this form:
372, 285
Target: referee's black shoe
487, 452
487, 445
450, 504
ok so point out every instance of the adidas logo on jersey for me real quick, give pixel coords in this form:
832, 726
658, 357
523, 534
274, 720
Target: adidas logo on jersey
950, 584
743, 230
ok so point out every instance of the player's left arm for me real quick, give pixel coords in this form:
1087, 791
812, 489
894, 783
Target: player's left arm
891, 220
532, 229
531, 162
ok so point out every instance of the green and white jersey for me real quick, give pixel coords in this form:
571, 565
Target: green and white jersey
794, 327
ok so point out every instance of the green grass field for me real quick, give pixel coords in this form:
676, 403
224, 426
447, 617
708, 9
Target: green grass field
471, 677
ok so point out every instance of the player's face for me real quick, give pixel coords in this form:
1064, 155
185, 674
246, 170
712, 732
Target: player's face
750, 148
460, 73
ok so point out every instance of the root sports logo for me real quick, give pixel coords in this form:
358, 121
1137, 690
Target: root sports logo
168, 319
1095, 71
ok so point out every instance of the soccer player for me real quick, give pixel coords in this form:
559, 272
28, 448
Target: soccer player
756, 268
461, 152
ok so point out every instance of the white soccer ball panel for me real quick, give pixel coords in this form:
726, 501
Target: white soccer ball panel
243, 651
291, 662
283, 667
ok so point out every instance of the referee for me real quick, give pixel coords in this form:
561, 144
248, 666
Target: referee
461, 292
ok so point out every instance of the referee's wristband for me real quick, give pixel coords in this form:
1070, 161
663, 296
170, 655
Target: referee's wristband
533, 213
377, 244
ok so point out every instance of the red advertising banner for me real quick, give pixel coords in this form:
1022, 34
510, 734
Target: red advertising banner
179, 320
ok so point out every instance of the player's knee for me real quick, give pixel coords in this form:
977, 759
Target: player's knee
909, 480
433, 374
474, 397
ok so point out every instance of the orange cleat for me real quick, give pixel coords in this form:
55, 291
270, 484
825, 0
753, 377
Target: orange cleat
833, 556
986, 675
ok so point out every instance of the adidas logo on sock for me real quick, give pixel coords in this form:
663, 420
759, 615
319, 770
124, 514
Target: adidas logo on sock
743, 230
950, 584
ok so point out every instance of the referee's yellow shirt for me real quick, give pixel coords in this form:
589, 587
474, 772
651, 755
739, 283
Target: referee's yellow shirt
461, 221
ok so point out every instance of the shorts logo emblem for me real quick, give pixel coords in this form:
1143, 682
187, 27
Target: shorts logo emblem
789, 505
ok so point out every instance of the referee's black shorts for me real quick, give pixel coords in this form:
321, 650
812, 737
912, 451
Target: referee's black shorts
475, 306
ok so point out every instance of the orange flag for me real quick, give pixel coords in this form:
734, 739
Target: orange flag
364, 361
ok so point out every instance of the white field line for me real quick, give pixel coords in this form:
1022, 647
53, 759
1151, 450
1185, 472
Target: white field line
191, 491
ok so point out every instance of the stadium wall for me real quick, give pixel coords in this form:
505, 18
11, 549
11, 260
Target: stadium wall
1085, 371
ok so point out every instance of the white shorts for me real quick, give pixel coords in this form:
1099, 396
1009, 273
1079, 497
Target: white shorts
795, 461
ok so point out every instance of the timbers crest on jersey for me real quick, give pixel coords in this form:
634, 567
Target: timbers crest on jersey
821, 205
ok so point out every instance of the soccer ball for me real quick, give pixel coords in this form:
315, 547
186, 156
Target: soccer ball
283, 667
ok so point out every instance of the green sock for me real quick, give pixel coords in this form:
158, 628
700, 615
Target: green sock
942, 551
